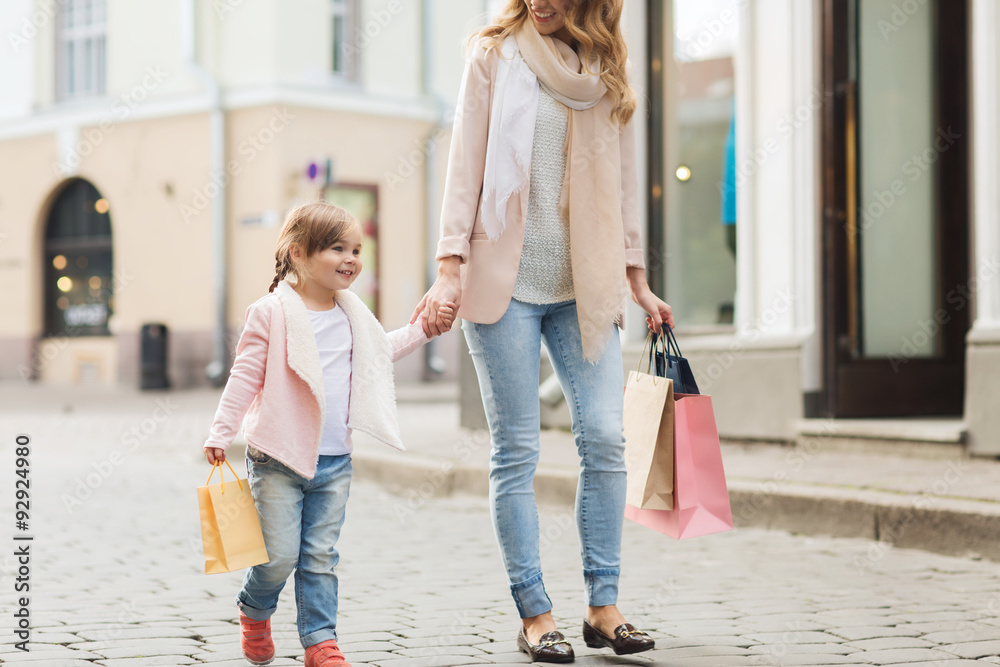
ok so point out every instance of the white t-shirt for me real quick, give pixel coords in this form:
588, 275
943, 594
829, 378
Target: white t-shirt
334, 341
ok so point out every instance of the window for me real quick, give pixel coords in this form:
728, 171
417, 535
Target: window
80, 40
78, 278
344, 42
699, 169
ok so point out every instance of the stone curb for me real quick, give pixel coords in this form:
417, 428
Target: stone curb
948, 526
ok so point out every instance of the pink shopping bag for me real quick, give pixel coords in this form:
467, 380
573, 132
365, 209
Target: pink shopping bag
701, 499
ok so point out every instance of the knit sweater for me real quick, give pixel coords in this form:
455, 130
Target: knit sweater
545, 274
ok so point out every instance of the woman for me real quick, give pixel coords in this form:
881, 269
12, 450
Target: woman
541, 242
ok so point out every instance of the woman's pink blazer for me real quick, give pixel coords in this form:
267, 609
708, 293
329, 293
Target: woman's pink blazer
489, 269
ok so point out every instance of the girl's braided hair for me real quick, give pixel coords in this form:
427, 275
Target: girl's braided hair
312, 227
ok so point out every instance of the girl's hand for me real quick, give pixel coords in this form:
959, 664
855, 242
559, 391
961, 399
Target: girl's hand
215, 455
659, 311
446, 316
445, 292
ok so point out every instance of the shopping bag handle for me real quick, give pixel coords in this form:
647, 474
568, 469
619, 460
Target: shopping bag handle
222, 477
669, 344
652, 353
672, 340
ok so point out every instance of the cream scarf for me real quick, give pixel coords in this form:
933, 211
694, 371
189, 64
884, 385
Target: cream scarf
591, 195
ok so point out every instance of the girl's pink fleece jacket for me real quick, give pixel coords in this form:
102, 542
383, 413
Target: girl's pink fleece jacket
276, 381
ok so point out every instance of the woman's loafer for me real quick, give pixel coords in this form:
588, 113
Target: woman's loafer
551, 647
626, 640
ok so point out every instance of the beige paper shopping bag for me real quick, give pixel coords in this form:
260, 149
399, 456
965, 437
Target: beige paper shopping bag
230, 529
649, 441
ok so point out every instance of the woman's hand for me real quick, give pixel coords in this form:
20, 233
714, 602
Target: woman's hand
445, 293
659, 311
215, 455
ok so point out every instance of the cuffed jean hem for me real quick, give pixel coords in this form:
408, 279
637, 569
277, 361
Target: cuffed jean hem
602, 586
314, 638
530, 597
254, 613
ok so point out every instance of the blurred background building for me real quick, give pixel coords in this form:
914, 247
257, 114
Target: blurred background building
817, 211
151, 150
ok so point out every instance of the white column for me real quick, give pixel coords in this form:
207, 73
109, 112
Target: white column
986, 161
743, 72
809, 105
778, 112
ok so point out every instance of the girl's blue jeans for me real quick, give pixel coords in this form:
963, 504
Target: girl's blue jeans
506, 355
300, 519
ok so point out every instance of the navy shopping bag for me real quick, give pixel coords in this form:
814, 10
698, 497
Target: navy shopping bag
670, 363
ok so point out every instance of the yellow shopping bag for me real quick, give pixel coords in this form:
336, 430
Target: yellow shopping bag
230, 529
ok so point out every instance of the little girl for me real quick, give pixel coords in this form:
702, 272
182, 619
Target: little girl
312, 365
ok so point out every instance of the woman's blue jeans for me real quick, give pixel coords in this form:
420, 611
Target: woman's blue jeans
301, 520
506, 356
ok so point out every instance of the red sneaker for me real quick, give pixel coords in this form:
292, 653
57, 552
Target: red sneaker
325, 654
255, 640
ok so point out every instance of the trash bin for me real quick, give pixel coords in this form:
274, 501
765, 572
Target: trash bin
153, 357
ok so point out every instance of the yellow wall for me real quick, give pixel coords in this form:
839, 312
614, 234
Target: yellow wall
156, 176
21, 202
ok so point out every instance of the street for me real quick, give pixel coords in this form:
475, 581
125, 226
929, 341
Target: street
116, 577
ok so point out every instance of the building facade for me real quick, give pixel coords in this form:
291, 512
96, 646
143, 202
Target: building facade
865, 286
149, 153
821, 183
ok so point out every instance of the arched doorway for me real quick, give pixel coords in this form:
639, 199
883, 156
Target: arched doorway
78, 290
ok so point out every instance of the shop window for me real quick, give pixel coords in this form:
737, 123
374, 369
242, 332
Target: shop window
699, 173
77, 263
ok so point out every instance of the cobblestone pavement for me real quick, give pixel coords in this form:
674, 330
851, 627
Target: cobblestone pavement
115, 576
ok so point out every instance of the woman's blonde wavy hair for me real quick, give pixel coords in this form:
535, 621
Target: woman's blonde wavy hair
595, 25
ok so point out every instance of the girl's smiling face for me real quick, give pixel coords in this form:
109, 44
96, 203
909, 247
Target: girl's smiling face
549, 17
336, 267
